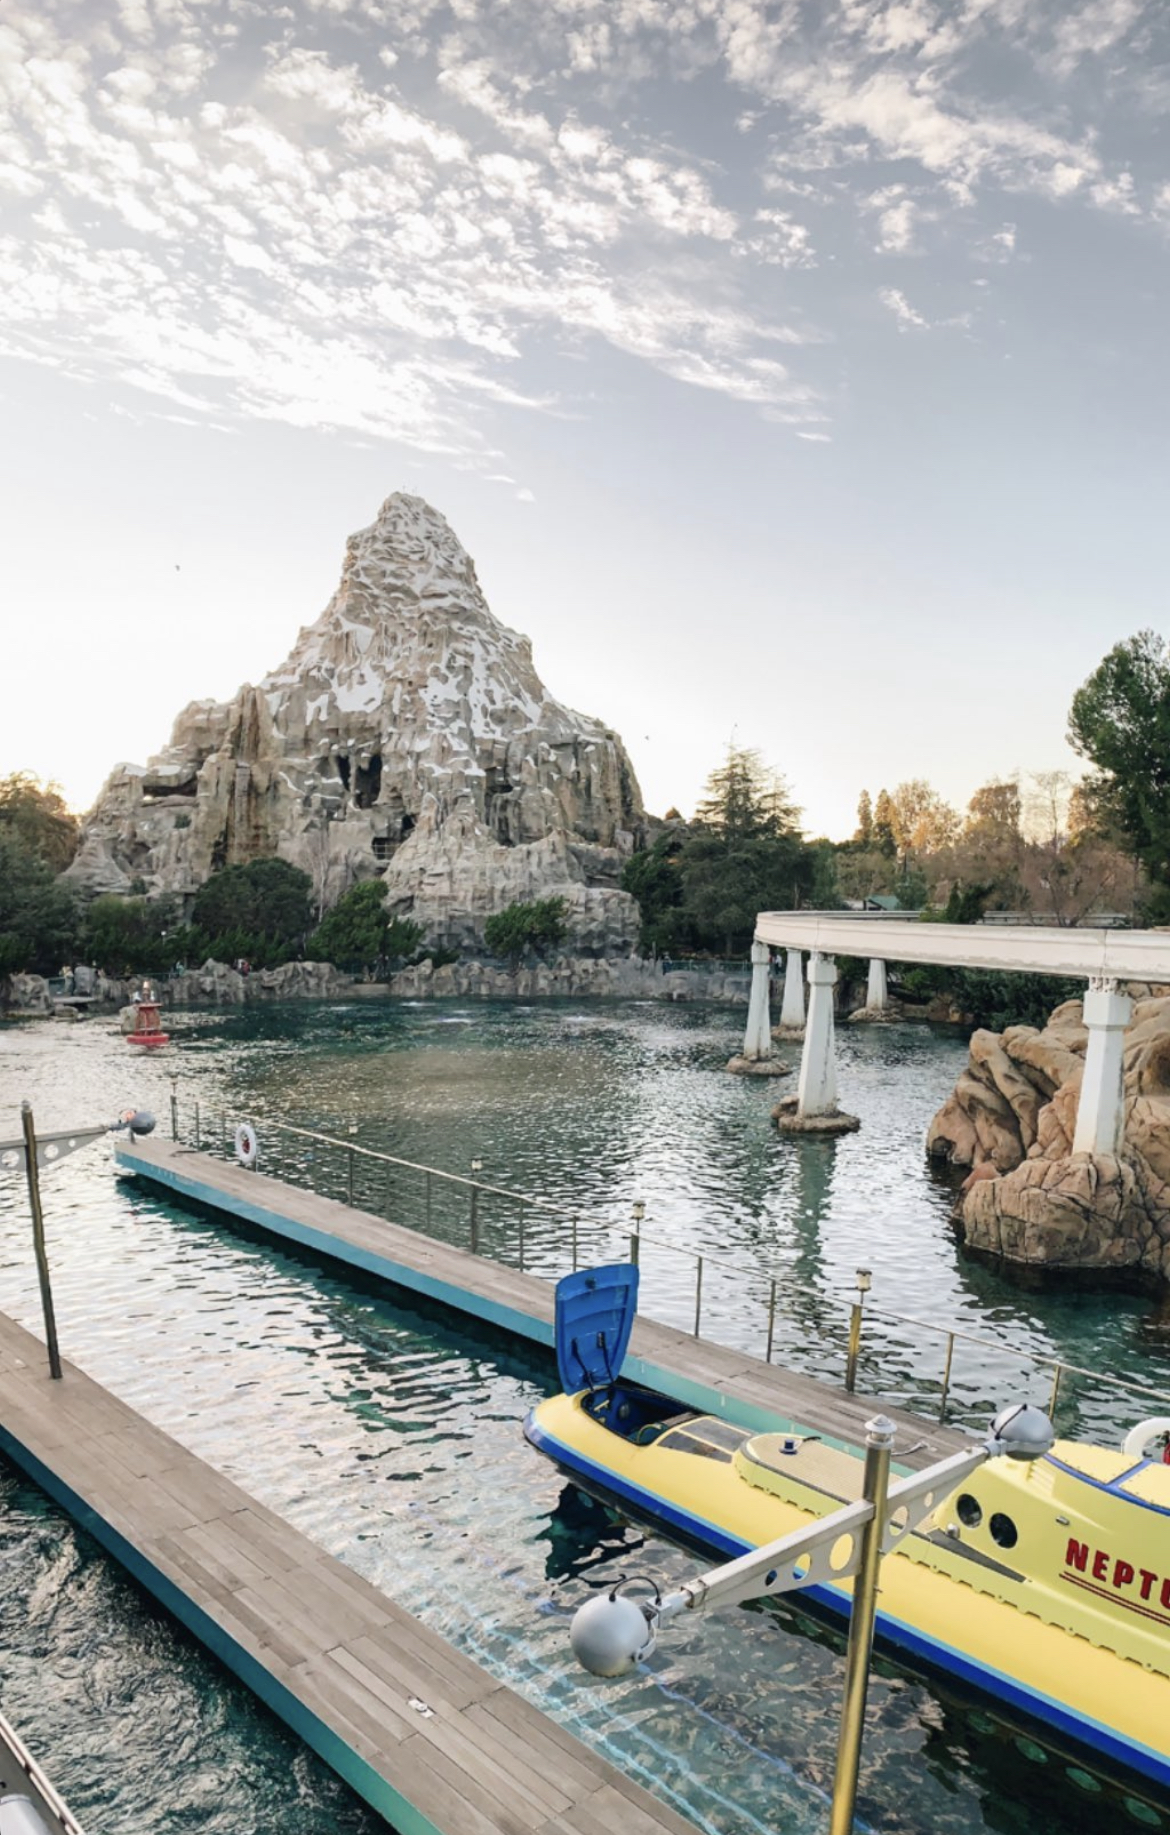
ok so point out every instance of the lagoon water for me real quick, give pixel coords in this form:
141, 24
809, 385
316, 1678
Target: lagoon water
391, 1435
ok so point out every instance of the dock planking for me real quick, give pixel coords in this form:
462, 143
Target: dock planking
435, 1744
701, 1374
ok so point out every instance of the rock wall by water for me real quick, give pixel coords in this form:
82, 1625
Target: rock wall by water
1012, 1118
407, 734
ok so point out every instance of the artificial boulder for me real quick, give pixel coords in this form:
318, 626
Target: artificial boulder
1012, 1119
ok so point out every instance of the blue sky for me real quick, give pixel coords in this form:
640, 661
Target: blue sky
793, 372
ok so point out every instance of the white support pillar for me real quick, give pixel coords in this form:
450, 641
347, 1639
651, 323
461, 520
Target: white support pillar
1100, 1110
817, 1088
757, 1039
792, 1006
877, 993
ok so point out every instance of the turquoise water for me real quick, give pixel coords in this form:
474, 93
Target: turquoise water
392, 1437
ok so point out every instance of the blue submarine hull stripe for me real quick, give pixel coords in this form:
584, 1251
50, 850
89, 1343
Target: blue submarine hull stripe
894, 1632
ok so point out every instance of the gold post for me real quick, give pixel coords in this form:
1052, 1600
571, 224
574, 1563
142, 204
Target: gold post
38, 1223
879, 1439
864, 1279
946, 1383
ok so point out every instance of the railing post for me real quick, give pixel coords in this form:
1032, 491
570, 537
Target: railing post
634, 1247
864, 1282
386, 1199
428, 1203
522, 1236
771, 1321
946, 1382
698, 1291
574, 1245
174, 1111
198, 1132
38, 1222
349, 1174
1057, 1372
475, 1220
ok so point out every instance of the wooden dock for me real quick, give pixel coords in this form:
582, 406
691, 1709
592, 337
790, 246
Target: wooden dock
435, 1744
701, 1374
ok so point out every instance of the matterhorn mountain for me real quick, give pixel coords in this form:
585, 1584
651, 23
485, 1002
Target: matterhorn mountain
407, 735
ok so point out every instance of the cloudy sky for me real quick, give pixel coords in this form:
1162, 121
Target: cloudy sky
795, 372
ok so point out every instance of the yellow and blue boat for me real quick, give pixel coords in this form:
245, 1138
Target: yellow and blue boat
1043, 1585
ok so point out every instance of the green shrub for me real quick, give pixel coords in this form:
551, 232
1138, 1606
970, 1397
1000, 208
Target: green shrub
519, 927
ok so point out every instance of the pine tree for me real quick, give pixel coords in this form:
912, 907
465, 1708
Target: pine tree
864, 831
883, 823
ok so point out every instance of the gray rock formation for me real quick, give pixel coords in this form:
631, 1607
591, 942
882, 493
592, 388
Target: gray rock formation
1012, 1118
407, 734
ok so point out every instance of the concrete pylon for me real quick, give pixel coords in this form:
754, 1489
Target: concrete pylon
816, 1092
757, 1038
1101, 1107
814, 1110
877, 993
792, 1005
756, 1059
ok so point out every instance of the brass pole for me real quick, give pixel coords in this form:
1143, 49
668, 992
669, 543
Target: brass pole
854, 1346
946, 1382
879, 1439
38, 1223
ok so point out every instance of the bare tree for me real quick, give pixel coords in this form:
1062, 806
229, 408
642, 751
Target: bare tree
322, 862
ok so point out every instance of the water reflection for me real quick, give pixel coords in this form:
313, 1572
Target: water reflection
391, 1435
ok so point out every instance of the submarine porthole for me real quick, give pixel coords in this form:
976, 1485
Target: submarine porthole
968, 1511
1003, 1530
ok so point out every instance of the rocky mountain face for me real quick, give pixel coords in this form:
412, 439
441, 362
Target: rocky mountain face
407, 735
1012, 1118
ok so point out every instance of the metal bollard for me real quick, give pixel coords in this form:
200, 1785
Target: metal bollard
698, 1291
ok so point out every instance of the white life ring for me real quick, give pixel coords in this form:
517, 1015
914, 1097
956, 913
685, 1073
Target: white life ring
247, 1145
1137, 1439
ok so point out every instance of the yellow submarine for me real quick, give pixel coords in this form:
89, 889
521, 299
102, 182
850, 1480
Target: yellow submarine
1045, 1585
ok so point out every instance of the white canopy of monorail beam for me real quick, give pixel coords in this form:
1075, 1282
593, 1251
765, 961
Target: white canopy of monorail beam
1100, 957
1082, 954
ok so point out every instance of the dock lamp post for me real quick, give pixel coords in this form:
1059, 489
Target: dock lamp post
32, 1151
614, 1631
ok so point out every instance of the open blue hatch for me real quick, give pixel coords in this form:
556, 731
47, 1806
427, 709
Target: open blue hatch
594, 1319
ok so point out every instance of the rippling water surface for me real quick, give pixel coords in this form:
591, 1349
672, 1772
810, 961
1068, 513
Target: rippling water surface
391, 1436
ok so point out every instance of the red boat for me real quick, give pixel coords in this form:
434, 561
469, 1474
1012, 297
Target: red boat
147, 1032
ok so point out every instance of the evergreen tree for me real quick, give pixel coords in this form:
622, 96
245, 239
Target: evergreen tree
260, 910
883, 823
39, 919
747, 854
1120, 721
864, 830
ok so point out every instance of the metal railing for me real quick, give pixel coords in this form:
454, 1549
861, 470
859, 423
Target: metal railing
454, 1207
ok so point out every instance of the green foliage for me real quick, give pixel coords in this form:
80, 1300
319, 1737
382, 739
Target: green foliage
259, 911
39, 919
132, 934
966, 904
992, 999
1120, 720
519, 927
36, 815
402, 939
356, 934
654, 877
